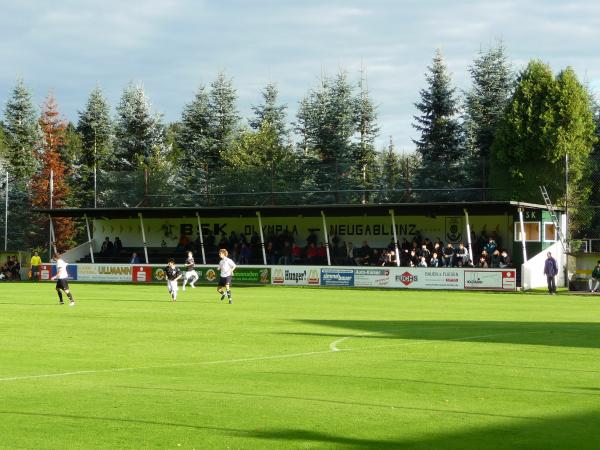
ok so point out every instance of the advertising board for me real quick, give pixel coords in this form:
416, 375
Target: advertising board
491, 279
372, 277
426, 278
104, 272
296, 275
47, 271
337, 277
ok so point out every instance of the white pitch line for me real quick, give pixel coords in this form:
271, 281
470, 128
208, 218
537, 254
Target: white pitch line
332, 348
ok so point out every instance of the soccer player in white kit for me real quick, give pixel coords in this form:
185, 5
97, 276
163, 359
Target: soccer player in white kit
190, 275
172, 274
226, 268
62, 283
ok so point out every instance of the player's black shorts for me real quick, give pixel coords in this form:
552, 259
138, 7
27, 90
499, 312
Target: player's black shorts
224, 281
62, 283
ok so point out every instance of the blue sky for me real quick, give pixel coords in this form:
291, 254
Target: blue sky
172, 46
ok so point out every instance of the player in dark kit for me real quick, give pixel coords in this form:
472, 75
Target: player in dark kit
190, 275
172, 274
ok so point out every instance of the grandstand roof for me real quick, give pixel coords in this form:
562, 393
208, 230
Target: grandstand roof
400, 209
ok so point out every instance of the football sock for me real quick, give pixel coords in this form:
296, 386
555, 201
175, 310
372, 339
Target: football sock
70, 296
229, 294
59, 296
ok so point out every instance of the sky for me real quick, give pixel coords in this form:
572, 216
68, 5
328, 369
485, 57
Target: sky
67, 47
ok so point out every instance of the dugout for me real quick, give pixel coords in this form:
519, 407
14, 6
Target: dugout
156, 232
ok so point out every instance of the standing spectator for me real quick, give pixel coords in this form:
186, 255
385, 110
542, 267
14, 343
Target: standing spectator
286, 254
312, 254
36, 261
246, 254
462, 255
296, 253
595, 279
107, 247
424, 252
551, 270
364, 253
491, 246
350, 253
448, 257
16, 269
118, 246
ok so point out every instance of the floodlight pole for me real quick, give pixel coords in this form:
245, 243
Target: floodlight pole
262, 238
143, 236
6, 215
87, 226
395, 238
326, 238
469, 236
201, 238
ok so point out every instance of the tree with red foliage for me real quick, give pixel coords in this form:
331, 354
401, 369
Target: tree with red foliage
50, 162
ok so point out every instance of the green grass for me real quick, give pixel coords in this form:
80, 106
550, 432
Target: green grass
126, 368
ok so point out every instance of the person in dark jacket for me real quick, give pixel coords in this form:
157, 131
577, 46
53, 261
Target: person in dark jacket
551, 270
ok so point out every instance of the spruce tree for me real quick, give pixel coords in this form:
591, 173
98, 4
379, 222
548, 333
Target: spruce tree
440, 143
96, 129
224, 115
492, 82
140, 144
22, 132
363, 171
270, 111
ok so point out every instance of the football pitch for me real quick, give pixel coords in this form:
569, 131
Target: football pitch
287, 368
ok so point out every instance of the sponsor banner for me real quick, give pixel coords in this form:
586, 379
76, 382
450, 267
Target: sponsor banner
337, 277
495, 279
47, 271
141, 274
104, 272
426, 278
372, 277
296, 275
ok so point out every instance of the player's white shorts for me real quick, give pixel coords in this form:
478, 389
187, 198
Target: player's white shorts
191, 275
172, 285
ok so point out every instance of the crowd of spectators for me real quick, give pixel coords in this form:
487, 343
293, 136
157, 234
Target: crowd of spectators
11, 269
284, 249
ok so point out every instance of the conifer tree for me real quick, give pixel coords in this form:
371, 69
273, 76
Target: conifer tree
96, 129
440, 142
270, 111
225, 117
492, 81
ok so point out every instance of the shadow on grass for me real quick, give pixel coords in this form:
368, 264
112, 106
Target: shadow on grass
577, 431
559, 334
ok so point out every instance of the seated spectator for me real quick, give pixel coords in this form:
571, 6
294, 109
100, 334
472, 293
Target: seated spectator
107, 247
322, 253
296, 253
135, 259
434, 261
594, 282
424, 252
285, 257
312, 253
495, 259
504, 260
413, 259
448, 256
422, 262
15, 269
461, 255
118, 246
363, 255
483, 262
269, 252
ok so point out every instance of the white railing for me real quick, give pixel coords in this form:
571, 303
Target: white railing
75, 254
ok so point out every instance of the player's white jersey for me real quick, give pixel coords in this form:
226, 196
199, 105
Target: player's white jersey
226, 267
61, 269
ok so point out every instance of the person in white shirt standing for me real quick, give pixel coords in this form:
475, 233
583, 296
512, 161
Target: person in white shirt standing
62, 283
226, 268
